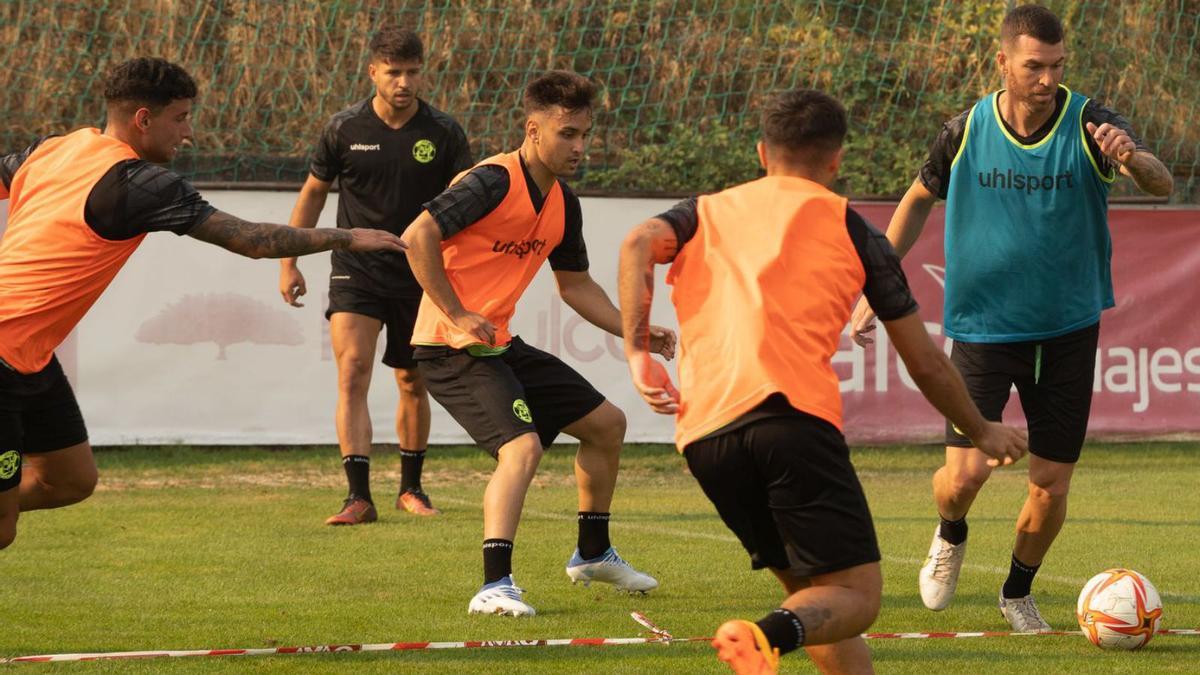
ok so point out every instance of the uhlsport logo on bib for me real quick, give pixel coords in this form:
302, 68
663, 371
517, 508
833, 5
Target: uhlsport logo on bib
424, 151
522, 411
10, 462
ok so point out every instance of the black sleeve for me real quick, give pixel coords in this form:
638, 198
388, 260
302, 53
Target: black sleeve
326, 163
935, 173
1098, 114
571, 253
886, 287
464, 203
136, 197
460, 153
10, 163
683, 219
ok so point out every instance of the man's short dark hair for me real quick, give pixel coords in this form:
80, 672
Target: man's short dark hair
806, 124
1035, 21
148, 82
397, 44
563, 88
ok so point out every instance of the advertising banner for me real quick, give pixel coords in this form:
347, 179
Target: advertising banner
194, 345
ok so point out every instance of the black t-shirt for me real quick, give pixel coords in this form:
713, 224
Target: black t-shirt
481, 191
385, 175
935, 173
886, 287
134, 197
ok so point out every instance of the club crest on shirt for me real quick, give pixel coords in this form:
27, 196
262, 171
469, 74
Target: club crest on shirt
424, 151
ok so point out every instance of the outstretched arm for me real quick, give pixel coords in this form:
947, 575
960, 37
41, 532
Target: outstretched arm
266, 240
582, 294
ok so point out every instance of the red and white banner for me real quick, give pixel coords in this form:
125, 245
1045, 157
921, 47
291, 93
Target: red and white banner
1147, 381
193, 345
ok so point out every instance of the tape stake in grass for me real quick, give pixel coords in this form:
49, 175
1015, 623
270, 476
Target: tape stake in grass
327, 649
654, 629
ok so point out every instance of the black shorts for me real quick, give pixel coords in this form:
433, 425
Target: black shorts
786, 488
38, 413
1053, 378
397, 313
498, 398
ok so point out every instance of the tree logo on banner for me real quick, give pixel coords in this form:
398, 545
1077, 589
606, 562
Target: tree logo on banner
221, 318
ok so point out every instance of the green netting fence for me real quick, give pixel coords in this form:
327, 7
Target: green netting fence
682, 80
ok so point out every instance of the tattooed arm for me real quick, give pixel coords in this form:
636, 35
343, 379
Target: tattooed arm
653, 242
265, 240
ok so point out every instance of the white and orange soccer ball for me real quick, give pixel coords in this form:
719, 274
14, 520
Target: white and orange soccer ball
1119, 609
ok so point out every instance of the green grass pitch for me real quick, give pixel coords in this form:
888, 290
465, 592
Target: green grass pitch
184, 548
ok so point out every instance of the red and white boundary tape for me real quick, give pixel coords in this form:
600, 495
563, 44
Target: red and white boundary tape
658, 636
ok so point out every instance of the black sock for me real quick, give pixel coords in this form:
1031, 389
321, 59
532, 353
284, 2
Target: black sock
410, 469
783, 630
358, 475
497, 559
593, 534
953, 531
1020, 579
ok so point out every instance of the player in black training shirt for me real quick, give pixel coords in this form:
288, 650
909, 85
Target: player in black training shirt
390, 154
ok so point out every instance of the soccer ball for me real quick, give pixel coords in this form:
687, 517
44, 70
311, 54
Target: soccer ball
1119, 609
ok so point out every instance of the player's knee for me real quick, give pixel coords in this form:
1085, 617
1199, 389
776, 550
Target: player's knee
867, 610
522, 454
354, 375
1050, 492
868, 585
968, 480
410, 382
610, 427
76, 487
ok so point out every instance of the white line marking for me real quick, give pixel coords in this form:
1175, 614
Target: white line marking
899, 560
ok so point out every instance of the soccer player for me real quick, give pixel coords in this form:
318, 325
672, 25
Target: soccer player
765, 275
1025, 173
79, 206
389, 153
474, 250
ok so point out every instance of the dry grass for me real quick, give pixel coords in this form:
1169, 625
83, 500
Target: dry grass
272, 72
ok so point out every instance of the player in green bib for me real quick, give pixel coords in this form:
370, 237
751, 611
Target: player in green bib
1025, 173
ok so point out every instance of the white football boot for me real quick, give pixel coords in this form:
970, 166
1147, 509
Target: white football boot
610, 569
500, 597
1022, 614
939, 575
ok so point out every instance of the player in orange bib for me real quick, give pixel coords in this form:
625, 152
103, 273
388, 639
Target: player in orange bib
79, 206
765, 275
474, 250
